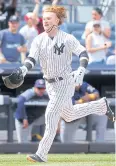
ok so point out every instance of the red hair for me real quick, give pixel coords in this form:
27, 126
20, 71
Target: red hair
59, 10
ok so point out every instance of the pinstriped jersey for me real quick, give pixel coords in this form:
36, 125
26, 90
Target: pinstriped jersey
55, 54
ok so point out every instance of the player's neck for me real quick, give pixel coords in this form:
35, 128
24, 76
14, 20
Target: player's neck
13, 30
53, 33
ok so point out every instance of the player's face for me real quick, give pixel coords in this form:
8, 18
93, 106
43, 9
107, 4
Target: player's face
50, 21
97, 28
30, 21
13, 26
39, 91
96, 15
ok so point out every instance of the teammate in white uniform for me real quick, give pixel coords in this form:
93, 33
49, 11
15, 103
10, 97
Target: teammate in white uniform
53, 48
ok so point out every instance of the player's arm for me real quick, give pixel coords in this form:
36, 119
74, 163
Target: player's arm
90, 95
20, 111
107, 30
55, 2
33, 56
80, 51
36, 8
36, 11
93, 93
2, 59
14, 3
22, 47
21, 99
87, 32
93, 49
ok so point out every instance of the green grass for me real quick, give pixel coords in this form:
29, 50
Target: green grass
60, 160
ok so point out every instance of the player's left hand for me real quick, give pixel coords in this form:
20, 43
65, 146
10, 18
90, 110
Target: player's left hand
79, 75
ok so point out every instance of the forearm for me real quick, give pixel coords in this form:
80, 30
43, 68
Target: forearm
36, 10
14, 2
84, 59
29, 63
20, 111
87, 32
55, 2
88, 98
31, 60
79, 74
91, 50
106, 33
24, 49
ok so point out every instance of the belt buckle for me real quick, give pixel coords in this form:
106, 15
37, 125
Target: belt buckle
56, 79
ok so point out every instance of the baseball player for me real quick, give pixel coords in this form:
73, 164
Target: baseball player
24, 119
54, 50
84, 93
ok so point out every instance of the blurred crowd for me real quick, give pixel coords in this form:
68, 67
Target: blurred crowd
16, 38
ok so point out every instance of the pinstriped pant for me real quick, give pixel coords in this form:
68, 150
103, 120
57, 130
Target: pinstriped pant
60, 105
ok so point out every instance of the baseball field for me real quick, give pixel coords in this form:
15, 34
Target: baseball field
60, 160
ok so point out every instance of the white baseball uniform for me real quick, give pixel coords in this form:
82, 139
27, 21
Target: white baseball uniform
55, 57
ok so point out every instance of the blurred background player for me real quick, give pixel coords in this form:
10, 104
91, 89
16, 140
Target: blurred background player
24, 120
83, 94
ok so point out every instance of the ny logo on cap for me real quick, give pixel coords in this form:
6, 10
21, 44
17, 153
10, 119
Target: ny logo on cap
59, 50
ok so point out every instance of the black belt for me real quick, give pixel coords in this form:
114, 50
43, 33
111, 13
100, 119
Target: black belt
52, 80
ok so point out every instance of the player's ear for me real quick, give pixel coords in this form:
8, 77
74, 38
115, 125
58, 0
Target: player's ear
57, 20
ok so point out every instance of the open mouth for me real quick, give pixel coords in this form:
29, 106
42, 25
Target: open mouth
46, 25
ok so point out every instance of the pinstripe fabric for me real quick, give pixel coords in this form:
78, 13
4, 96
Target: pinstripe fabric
55, 64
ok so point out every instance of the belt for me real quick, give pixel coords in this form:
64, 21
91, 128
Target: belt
52, 80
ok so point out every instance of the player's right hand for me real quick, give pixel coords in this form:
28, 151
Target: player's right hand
108, 44
79, 75
25, 123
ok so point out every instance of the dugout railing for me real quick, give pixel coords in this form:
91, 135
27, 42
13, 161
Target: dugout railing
80, 147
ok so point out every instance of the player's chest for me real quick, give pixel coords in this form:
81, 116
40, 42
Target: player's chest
53, 48
12, 39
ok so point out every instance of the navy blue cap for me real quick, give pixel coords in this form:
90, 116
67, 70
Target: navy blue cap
14, 18
40, 83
